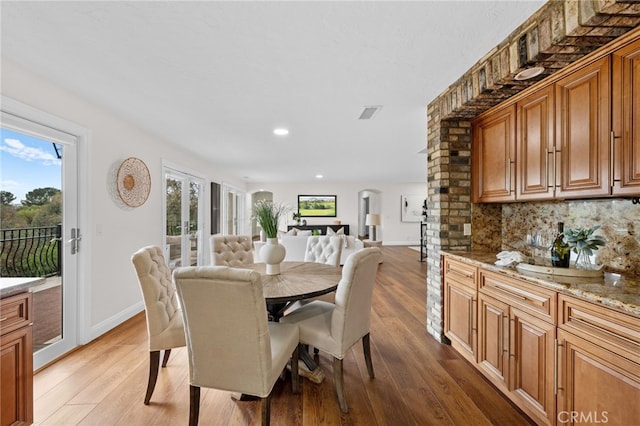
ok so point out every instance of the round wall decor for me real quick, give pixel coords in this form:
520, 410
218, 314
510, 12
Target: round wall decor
133, 182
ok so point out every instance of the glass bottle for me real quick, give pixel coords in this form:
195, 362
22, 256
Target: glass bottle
560, 253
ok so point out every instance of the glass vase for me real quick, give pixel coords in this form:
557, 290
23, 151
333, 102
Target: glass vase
583, 261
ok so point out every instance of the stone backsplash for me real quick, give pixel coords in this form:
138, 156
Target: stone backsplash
619, 220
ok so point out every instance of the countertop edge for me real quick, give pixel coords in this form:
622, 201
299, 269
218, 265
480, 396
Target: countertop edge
485, 260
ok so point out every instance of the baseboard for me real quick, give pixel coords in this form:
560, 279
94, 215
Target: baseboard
115, 320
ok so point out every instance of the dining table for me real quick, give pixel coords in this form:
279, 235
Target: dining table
297, 281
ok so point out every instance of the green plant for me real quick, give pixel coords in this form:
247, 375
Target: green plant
268, 216
583, 240
296, 216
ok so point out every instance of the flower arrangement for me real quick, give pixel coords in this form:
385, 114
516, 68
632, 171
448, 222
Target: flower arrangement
268, 216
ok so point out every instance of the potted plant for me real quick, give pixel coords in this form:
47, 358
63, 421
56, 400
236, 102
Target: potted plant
582, 242
268, 216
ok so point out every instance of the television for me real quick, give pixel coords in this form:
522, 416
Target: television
317, 205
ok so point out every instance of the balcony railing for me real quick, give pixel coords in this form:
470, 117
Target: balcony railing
31, 252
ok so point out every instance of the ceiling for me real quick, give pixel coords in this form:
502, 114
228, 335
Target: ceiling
217, 77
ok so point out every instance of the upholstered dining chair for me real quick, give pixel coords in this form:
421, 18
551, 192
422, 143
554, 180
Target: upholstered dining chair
231, 344
164, 320
323, 249
335, 327
231, 250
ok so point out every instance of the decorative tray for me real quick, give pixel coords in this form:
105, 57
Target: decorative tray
566, 272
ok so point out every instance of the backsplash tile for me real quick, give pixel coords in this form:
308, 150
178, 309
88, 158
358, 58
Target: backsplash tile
619, 220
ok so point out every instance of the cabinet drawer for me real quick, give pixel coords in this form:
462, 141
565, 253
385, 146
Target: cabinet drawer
535, 300
15, 312
461, 272
615, 330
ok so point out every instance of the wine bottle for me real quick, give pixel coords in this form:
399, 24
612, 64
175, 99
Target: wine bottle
560, 254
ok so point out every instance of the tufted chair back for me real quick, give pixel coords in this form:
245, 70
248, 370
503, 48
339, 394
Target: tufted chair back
323, 249
231, 250
164, 317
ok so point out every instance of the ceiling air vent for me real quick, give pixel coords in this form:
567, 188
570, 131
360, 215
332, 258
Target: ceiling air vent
369, 111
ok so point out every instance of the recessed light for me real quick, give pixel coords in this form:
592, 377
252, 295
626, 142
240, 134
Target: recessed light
281, 131
319, 176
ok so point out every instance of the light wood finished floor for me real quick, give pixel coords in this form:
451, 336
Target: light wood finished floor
418, 380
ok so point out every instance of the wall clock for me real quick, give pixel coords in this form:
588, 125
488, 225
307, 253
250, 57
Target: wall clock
133, 182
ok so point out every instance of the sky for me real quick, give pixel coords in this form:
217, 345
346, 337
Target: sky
27, 163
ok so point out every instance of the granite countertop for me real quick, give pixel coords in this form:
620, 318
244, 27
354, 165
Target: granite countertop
612, 290
10, 286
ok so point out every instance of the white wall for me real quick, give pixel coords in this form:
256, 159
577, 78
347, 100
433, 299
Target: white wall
112, 233
391, 232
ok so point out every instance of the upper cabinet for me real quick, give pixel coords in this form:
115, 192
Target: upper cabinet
574, 136
582, 135
535, 148
626, 119
493, 156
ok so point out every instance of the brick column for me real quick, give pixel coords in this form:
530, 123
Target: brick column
449, 202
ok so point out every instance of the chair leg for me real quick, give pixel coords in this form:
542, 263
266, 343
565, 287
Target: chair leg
165, 358
154, 364
339, 379
366, 346
266, 411
295, 377
194, 405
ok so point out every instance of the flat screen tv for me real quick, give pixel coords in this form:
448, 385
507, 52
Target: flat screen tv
317, 205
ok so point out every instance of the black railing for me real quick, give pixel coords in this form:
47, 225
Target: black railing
31, 252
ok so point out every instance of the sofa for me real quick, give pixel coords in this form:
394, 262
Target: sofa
295, 246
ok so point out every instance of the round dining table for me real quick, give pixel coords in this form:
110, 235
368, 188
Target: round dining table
297, 281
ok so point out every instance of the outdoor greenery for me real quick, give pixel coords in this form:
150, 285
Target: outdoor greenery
41, 207
174, 207
268, 214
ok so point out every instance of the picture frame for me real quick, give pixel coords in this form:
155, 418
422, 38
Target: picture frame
317, 205
411, 208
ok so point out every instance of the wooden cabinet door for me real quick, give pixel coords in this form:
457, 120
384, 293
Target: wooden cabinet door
531, 365
460, 323
493, 340
535, 146
583, 132
16, 373
626, 119
598, 385
493, 156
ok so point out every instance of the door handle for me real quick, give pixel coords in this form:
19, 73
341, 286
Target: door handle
75, 240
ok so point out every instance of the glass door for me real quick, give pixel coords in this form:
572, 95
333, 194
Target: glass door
184, 219
39, 235
233, 208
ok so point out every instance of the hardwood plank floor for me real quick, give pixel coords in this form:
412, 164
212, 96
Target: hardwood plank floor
418, 380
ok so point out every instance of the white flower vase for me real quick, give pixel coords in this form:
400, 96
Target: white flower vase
272, 254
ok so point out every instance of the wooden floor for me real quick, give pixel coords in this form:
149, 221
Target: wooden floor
418, 380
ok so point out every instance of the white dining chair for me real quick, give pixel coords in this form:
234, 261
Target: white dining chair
231, 250
231, 344
335, 327
324, 249
164, 320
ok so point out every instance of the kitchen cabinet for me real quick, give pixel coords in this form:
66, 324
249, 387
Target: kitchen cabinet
598, 364
16, 360
626, 119
493, 156
583, 131
535, 146
516, 336
460, 307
